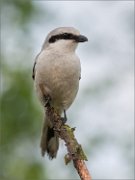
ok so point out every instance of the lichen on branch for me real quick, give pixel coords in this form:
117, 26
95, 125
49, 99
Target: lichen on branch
75, 151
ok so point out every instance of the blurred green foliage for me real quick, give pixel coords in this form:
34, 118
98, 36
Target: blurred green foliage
20, 118
17, 107
20, 123
24, 9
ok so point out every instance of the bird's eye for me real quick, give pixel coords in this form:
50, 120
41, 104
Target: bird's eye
65, 34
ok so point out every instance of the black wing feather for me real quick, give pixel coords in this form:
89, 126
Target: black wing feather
33, 71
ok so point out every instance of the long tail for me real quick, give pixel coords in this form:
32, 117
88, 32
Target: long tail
49, 141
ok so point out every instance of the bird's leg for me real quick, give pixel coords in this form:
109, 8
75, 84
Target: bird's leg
64, 119
65, 116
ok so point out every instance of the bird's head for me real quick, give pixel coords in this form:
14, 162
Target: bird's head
64, 38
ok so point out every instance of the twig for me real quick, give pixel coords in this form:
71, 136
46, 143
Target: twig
75, 151
82, 169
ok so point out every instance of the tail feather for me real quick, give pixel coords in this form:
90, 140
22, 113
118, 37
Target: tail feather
49, 141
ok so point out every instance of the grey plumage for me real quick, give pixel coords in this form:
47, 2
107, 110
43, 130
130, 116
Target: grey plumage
57, 68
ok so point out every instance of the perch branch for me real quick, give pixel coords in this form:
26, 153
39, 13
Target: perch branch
74, 149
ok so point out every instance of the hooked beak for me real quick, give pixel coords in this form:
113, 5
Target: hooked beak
81, 38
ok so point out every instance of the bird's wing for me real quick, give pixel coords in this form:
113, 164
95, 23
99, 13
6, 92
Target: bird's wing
34, 69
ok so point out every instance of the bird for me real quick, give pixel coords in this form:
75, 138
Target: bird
57, 70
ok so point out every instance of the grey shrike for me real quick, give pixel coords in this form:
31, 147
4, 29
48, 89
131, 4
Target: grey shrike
57, 69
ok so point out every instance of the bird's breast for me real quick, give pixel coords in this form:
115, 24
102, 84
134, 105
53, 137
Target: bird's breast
60, 73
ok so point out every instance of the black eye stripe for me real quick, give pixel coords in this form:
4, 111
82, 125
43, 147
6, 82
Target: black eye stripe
65, 36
